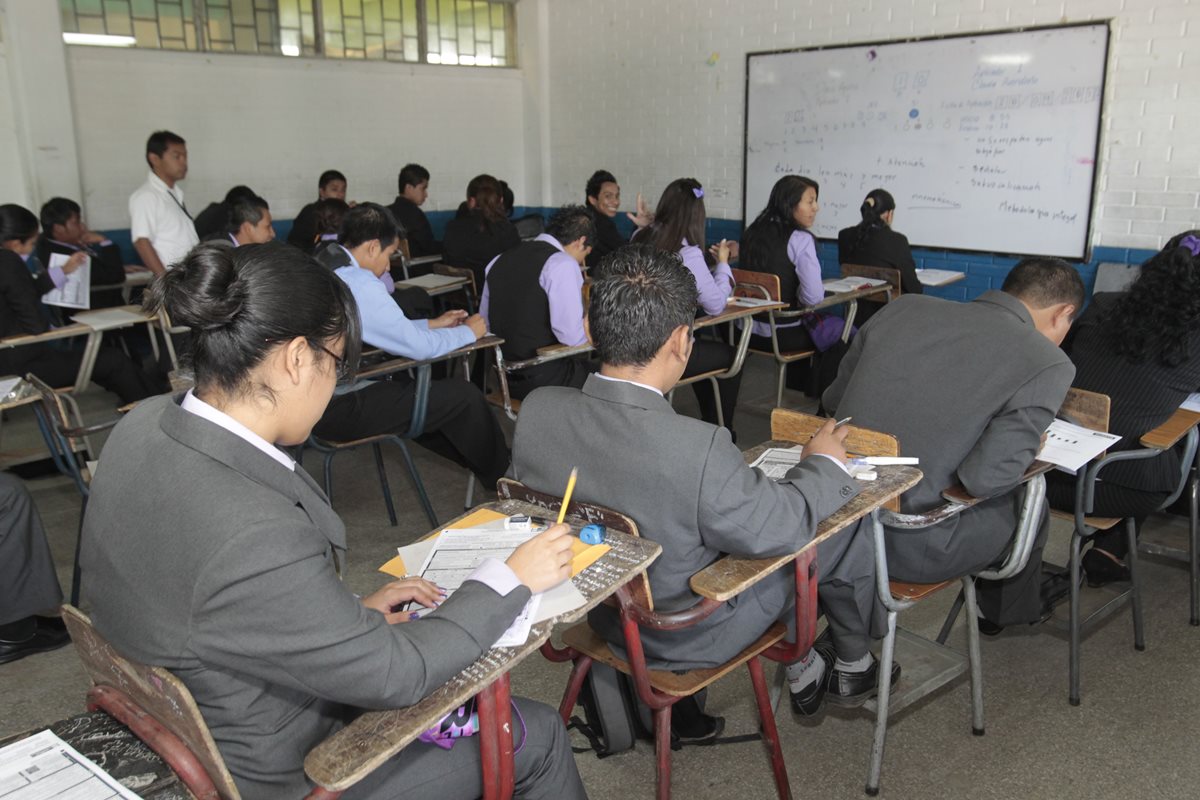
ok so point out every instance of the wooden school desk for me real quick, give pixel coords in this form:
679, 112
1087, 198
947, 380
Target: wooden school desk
353, 752
106, 319
735, 311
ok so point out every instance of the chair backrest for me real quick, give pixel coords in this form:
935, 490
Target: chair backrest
796, 426
767, 281
405, 250
155, 690
509, 489
587, 294
62, 446
889, 274
1087, 409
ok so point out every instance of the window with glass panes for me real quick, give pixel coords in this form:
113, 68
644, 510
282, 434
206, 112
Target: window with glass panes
464, 32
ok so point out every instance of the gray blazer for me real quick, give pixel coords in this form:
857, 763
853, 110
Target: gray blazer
687, 487
968, 388
204, 555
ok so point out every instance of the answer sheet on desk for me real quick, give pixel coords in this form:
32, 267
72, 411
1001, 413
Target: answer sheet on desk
1070, 447
77, 291
776, 461
43, 766
458, 552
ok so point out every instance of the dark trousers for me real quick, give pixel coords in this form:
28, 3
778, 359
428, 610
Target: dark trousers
1110, 500
707, 355
543, 764
799, 373
114, 371
572, 372
459, 424
28, 583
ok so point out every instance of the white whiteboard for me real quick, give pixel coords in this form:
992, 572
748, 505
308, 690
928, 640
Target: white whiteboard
987, 142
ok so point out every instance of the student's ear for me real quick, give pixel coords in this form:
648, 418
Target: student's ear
471, 202
295, 354
374, 248
680, 343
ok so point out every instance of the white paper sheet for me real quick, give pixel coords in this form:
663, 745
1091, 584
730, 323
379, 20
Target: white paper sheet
776, 461
1191, 404
44, 766
77, 291
431, 281
937, 277
839, 285
7, 385
458, 552
1069, 447
750, 302
108, 318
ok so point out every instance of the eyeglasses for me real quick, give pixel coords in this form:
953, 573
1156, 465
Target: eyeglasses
342, 368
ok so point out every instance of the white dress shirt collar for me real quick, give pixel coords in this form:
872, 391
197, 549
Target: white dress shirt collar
623, 380
217, 417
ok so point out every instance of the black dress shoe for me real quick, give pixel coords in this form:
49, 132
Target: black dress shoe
42, 641
50, 623
852, 689
690, 725
809, 701
1102, 569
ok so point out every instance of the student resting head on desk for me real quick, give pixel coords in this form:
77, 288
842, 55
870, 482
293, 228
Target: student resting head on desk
482, 231
688, 488
1141, 347
678, 227
23, 282
246, 605
604, 198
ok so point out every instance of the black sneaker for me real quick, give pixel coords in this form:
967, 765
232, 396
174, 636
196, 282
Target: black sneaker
852, 689
809, 701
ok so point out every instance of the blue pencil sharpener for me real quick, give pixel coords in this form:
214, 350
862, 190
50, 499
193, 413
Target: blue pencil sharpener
592, 534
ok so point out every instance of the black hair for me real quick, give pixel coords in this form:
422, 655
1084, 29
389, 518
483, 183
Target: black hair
58, 211
877, 203
412, 175
159, 141
774, 225
328, 215
571, 222
242, 210
1042, 281
510, 200
489, 200
639, 296
17, 222
241, 302
1156, 315
368, 221
328, 177
679, 216
239, 193
598, 179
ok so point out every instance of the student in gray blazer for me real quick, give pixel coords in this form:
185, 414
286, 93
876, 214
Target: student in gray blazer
686, 485
969, 388
208, 552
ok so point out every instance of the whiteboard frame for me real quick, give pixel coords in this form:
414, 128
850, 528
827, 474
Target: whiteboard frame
1107, 22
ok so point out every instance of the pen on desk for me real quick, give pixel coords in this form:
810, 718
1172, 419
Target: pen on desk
841, 422
562, 512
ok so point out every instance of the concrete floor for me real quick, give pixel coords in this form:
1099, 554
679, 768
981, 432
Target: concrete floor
1135, 735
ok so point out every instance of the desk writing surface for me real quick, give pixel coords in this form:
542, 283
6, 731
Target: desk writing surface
397, 364
109, 318
735, 311
1175, 428
727, 577
65, 332
845, 297
374, 737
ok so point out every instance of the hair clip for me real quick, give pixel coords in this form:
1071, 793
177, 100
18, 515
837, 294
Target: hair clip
1191, 243
699, 192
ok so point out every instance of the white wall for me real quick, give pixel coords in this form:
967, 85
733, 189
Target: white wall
632, 91
15, 187
275, 123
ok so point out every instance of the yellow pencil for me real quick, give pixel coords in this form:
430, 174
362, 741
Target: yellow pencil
562, 512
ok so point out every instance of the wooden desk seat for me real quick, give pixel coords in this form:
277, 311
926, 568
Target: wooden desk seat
584, 640
913, 592
1096, 523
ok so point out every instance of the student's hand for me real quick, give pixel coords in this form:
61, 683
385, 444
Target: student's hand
451, 319
544, 561
827, 442
404, 591
74, 262
721, 252
352, 203
478, 326
91, 237
644, 215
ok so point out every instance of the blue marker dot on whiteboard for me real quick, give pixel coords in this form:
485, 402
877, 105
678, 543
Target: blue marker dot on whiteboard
913, 114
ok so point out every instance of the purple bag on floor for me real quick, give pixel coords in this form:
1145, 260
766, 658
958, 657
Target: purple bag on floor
825, 329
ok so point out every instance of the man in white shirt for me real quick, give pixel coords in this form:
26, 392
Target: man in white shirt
161, 227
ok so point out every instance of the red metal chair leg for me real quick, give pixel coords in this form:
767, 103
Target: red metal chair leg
321, 793
503, 730
574, 685
662, 750
489, 744
770, 733
166, 744
805, 567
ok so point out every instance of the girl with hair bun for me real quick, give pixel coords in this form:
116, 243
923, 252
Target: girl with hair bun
206, 551
22, 283
873, 243
1141, 347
